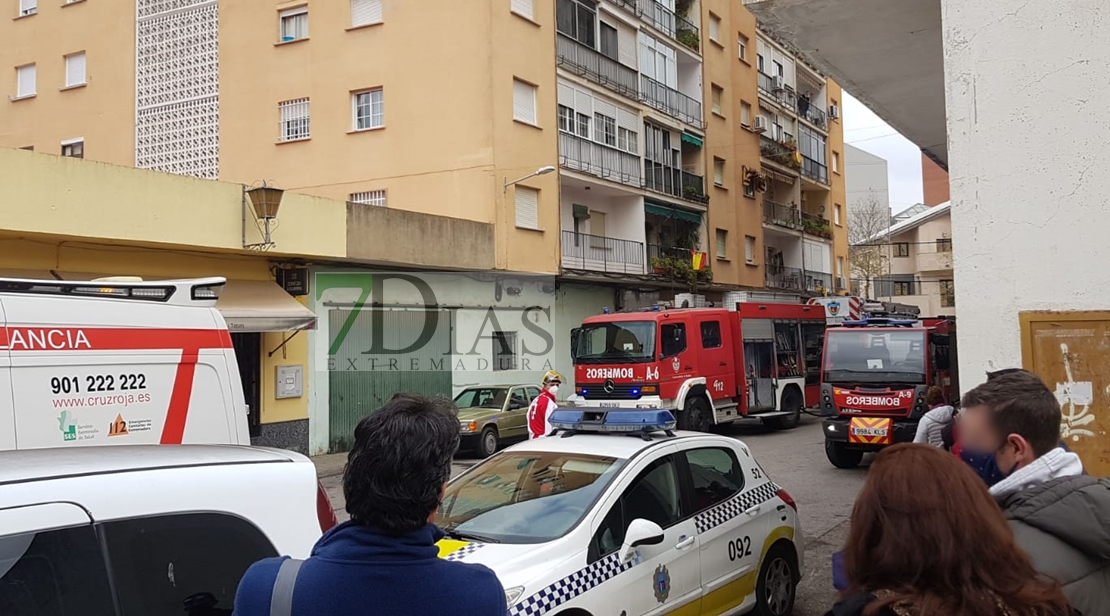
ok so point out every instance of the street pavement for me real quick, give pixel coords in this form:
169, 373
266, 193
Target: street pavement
794, 459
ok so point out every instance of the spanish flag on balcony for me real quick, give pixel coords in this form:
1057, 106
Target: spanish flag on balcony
698, 260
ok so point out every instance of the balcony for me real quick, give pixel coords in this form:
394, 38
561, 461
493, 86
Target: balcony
586, 62
812, 113
671, 101
782, 277
675, 26
816, 225
783, 95
815, 170
779, 153
602, 254
818, 282
674, 182
781, 215
598, 159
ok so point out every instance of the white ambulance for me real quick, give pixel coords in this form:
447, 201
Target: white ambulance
116, 361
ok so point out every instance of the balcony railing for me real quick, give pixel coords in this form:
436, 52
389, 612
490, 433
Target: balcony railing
782, 277
812, 113
602, 254
779, 153
657, 251
816, 225
783, 95
675, 26
817, 282
671, 101
582, 60
598, 159
674, 182
814, 170
781, 215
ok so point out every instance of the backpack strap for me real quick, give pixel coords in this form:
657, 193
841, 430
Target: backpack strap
281, 601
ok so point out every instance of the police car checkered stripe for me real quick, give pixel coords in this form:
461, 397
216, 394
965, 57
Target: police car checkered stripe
571, 586
464, 551
734, 506
605, 569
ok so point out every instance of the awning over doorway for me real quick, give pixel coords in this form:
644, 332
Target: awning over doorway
255, 306
671, 212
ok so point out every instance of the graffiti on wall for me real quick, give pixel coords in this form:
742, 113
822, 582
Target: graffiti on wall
1075, 400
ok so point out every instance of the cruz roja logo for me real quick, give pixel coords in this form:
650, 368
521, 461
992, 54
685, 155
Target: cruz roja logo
661, 582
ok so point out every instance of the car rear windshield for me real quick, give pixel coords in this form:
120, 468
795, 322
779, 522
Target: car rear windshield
525, 496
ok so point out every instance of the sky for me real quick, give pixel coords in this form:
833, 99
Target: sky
867, 131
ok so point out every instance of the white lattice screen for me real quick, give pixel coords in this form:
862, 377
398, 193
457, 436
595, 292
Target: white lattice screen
177, 89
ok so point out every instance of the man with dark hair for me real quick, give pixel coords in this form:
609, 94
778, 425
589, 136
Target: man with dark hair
1010, 434
385, 560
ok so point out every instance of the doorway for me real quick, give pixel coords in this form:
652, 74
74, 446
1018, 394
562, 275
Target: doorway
248, 354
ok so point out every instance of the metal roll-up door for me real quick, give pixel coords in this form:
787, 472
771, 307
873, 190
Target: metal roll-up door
757, 329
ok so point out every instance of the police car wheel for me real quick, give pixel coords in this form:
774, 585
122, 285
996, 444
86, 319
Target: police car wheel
777, 586
487, 444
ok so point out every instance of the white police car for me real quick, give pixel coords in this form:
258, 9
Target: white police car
617, 514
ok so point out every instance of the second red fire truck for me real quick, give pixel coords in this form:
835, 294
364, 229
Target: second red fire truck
707, 365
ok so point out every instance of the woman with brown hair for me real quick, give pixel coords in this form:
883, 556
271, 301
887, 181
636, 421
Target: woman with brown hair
927, 539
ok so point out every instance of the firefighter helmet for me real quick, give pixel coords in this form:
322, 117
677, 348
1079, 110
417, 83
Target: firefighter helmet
552, 377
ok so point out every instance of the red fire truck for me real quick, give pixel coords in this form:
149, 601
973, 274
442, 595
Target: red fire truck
707, 365
874, 378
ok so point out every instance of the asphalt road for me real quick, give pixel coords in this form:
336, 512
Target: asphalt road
794, 459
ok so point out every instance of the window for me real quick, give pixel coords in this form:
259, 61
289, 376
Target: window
743, 46
368, 109
714, 28
25, 81
749, 190
523, 8
944, 244
711, 335
749, 249
722, 244
504, 351
606, 129
609, 41
674, 339
74, 148
903, 288
718, 172
836, 162
28, 7
75, 69
654, 495
716, 474
947, 294
759, 62
366, 12
527, 207
294, 120
370, 197
566, 119
628, 140
56, 573
745, 114
901, 249
838, 214
160, 563
293, 24
777, 67
718, 93
840, 267
533, 393
576, 19
583, 122
524, 102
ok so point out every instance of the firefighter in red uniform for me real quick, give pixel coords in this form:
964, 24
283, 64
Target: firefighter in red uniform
539, 412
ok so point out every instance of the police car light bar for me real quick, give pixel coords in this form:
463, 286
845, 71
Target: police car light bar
609, 421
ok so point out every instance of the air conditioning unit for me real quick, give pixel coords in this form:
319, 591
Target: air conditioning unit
777, 83
760, 124
834, 112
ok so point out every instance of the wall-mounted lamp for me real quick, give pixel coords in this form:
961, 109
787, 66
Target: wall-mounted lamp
540, 171
265, 201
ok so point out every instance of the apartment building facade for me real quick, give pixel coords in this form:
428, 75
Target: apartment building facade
917, 252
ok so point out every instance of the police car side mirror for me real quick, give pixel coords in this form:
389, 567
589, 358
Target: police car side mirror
640, 532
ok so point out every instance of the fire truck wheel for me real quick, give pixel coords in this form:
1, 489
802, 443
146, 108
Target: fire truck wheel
841, 456
791, 403
697, 414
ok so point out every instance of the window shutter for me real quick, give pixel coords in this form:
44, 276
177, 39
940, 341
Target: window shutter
365, 12
75, 69
523, 7
26, 80
527, 207
26, 7
566, 95
626, 44
605, 108
584, 103
524, 102
629, 120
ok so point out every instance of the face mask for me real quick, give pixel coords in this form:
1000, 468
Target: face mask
554, 389
985, 465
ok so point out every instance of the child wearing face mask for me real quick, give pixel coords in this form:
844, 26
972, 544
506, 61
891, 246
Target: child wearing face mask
539, 412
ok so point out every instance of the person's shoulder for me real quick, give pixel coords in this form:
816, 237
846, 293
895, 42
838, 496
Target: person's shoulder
257, 586
474, 586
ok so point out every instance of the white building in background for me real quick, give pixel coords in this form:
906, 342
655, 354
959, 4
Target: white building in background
866, 175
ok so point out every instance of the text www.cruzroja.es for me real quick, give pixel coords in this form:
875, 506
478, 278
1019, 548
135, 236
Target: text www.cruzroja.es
110, 400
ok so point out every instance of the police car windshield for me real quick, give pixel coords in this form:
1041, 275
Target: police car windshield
875, 356
484, 397
526, 496
620, 342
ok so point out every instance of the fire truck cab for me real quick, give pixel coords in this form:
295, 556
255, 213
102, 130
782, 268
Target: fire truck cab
707, 365
874, 378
